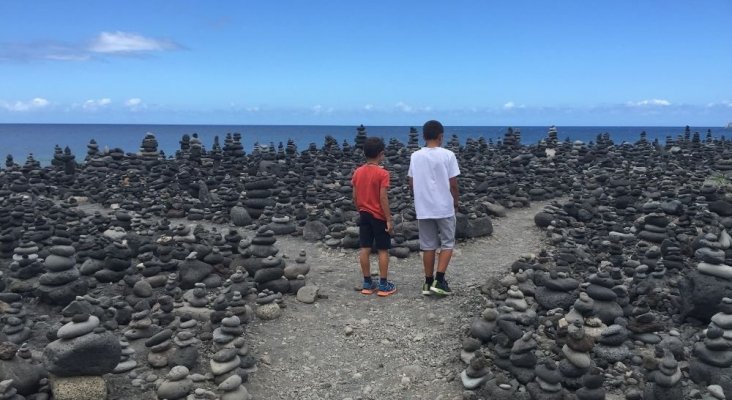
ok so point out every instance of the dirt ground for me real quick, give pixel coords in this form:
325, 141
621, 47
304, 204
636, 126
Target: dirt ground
405, 346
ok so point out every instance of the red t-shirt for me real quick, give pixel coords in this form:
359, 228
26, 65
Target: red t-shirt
368, 179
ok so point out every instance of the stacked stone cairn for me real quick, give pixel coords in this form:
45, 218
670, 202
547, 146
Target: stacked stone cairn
84, 351
61, 284
712, 362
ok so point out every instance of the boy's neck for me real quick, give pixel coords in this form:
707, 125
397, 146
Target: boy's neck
374, 161
433, 143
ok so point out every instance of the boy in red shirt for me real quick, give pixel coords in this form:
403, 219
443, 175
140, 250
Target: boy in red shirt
370, 185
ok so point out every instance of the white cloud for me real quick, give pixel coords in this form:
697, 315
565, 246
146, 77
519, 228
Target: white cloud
368, 107
133, 102
93, 105
510, 105
21, 106
649, 103
253, 109
723, 103
404, 107
126, 43
319, 109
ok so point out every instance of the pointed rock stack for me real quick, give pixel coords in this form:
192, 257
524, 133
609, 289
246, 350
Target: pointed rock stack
713, 355
523, 360
576, 352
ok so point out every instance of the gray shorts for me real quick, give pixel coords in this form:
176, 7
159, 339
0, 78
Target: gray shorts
436, 233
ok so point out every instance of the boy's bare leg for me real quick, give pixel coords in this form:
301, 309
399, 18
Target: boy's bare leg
428, 260
364, 260
383, 263
444, 260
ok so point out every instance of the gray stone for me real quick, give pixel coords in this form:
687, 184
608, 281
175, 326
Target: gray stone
268, 311
308, 294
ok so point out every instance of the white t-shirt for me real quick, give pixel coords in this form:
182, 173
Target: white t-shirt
431, 169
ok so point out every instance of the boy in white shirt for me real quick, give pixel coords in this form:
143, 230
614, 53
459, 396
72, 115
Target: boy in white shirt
433, 172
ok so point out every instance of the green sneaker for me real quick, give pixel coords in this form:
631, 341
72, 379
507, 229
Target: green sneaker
426, 289
441, 288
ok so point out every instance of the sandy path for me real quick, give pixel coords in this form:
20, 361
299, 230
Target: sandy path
402, 347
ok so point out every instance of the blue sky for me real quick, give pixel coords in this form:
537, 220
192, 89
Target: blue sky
370, 62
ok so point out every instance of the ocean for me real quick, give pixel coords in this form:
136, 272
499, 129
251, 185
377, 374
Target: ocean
20, 140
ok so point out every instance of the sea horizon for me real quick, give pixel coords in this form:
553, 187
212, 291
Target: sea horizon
39, 139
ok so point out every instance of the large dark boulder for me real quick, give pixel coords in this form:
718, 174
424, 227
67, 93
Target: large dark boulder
701, 295
193, 271
314, 231
90, 354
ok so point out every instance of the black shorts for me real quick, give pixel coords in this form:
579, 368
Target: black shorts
372, 232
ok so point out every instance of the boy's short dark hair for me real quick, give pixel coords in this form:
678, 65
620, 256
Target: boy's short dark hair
373, 146
432, 129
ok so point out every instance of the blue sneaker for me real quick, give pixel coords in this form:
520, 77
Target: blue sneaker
369, 288
386, 289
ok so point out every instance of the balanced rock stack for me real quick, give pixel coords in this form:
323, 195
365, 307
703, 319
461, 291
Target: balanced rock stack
227, 362
611, 347
296, 272
664, 383
281, 224
555, 290
476, 374
604, 303
61, 284
127, 360
710, 253
233, 389
25, 263
229, 330
196, 304
160, 346
548, 383
83, 352
270, 276
713, 355
117, 260
259, 195
592, 386
523, 359
176, 385
576, 351
16, 329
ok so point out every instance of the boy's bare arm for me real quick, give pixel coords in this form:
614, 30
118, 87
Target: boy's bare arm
355, 196
384, 201
454, 191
